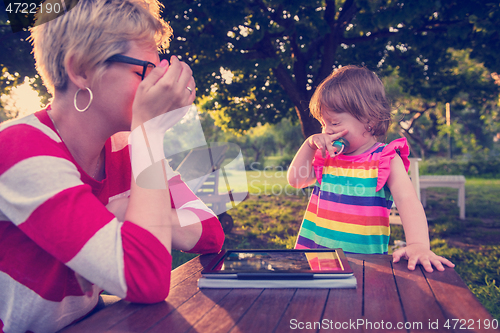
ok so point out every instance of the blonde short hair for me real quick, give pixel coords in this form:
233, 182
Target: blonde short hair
90, 32
355, 90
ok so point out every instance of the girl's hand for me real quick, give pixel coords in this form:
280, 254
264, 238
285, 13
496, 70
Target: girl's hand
324, 142
164, 89
421, 254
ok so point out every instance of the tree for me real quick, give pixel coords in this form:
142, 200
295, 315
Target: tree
259, 61
16, 62
472, 93
262, 59
287, 137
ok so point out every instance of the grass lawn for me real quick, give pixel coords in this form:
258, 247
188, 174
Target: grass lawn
271, 217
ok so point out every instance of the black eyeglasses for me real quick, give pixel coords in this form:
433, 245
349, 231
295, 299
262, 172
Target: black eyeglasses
147, 66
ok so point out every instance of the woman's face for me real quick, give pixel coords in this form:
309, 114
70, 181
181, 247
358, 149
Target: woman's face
116, 90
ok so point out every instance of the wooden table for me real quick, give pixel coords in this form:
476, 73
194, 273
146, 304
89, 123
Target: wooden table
389, 298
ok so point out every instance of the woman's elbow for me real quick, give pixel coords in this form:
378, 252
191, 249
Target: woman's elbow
215, 239
154, 291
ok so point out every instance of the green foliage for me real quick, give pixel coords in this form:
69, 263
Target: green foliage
479, 165
472, 94
266, 221
16, 60
287, 136
285, 161
259, 61
179, 258
258, 143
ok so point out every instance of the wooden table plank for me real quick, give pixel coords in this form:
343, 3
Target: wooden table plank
265, 312
227, 312
190, 312
345, 306
184, 286
459, 305
306, 306
148, 316
419, 303
103, 320
125, 316
381, 303
194, 266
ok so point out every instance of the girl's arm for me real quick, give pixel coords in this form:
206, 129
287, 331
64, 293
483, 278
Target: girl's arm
414, 221
301, 173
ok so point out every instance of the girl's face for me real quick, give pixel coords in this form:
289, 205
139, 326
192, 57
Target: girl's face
359, 138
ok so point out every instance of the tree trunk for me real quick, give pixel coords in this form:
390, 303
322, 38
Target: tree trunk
300, 99
308, 123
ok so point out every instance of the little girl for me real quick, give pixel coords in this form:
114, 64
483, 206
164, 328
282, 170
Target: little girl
351, 201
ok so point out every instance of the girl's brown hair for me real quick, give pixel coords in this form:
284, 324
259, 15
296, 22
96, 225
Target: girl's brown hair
358, 91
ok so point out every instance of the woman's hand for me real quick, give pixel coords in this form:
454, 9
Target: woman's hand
324, 142
421, 254
85, 285
183, 237
164, 89
118, 207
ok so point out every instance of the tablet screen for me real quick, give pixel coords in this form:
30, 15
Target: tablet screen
293, 261
281, 261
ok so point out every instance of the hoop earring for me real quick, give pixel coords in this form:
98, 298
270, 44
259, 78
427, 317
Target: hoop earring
90, 101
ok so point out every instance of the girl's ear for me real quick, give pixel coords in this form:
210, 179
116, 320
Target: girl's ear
369, 127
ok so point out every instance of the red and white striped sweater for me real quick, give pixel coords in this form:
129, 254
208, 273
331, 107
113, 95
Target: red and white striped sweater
53, 223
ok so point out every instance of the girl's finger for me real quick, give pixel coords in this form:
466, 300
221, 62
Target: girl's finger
446, 262
437, 263
427, 265
412, 263
338, 135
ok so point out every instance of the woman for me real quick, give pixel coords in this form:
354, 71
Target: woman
65, 177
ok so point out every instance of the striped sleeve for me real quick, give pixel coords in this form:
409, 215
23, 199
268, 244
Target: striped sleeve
398, 146
42, 194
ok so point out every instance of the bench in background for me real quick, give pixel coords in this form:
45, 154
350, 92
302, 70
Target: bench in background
422, 183
457, 182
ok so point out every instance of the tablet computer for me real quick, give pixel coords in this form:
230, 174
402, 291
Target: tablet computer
279, 264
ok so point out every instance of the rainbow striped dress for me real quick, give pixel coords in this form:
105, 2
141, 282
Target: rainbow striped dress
350, 204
